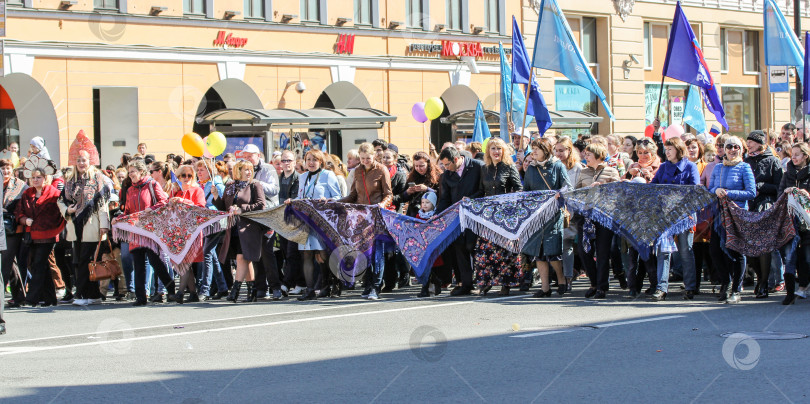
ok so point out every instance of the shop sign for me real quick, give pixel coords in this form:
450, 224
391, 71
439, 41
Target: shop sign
456, 49
778, 79
677, 108
345, 44
229, 40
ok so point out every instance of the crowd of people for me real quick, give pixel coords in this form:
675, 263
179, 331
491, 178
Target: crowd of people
56, 222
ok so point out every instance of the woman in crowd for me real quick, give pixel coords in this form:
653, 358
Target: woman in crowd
677, 170
336, 166
190, 193
733, 179
244, 194
784, 150
84, 204
371, 186
648, 162
643, 171
145, 193
596, 172
211, 270
616, 158
493, 264
13, 189
629, 147
317, 183
39, 212
162, 174
547, 174
398, 179
694, 152
397, 268
797, 259
424, 177
565, 151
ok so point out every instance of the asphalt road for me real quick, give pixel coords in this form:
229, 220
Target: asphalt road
403, 349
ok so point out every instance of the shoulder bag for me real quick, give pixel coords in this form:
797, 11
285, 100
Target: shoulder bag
107, 268
566, 213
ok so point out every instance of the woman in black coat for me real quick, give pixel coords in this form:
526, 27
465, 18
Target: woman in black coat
493, 264
242, 195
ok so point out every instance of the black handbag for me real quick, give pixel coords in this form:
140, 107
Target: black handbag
10, 223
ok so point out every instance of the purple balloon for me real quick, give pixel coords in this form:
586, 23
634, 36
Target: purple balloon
418, 112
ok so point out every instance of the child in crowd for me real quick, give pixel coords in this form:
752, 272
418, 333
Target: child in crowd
428, 209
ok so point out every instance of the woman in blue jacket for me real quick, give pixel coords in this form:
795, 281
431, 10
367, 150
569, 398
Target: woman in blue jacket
735, 180
677, 170
317, 183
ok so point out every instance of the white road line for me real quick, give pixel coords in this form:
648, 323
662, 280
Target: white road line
19, 350
597, 326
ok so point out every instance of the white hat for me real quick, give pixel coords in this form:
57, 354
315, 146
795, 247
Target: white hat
431, 196
251, 148
734, 140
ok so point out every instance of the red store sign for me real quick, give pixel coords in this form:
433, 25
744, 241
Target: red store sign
229, 40
345, 44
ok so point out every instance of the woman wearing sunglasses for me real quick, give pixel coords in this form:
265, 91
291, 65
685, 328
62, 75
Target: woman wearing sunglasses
734, 180
190, 193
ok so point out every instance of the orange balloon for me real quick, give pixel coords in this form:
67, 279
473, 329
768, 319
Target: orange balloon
193, 144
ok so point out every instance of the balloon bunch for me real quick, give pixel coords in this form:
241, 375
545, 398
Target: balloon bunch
209, 147
428, 110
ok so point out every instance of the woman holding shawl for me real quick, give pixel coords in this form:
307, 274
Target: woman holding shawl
594, 235
84, 204
424, 177
495, 265
191, 193
797, 176
547, 173
317, 183
734, 180
244, 194
211, 270
13, 189
677, 170
569, 156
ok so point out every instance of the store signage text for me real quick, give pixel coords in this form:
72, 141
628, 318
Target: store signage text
453, 49
345, 44
229, 40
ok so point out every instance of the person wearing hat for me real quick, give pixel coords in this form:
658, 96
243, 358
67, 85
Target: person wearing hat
767, 170
520, 145
38, 148
266, 270
427, 209
734, 180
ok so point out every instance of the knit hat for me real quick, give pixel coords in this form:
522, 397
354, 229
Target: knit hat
734, 140
431, 196
39, 143
82, 143
393, 148
757, 136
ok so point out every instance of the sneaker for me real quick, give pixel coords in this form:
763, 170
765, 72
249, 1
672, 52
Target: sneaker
277, 294
93, 301
284, 290
60, 293
373, 295
733, 299
779, 288
297, 290
366, 293
801, 294
81, 302
67, 299
157, 298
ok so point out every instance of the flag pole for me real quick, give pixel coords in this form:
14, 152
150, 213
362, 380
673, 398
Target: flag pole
526, 104
660, 94
685, 103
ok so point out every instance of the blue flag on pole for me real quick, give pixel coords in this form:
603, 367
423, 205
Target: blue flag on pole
806, 80
555, 49
521, 70
176, 181
685, 62
480, 129
512, 99
538, 109
693, 111
782, 47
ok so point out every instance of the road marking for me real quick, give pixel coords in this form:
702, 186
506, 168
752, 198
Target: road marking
19, 350
592, 327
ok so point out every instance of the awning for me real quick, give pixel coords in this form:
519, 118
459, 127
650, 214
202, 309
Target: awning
316, 118
465, 120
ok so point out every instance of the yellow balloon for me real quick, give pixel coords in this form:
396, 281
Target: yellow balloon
193, 144
216, 143
434, 108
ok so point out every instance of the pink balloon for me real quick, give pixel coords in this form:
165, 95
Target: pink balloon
207, 154
674, 130
418, 112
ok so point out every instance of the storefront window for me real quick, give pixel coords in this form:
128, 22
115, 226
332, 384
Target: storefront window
672, 103
193, 6
362, 12
414, 12
589, 39
648, 48
454, 15
742, 109
310, 10
571, 97
492, 16
751, 54
254, 8
106, 4
723, 51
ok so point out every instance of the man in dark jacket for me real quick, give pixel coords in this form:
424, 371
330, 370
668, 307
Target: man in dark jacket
461, 178
768, 175
294, 281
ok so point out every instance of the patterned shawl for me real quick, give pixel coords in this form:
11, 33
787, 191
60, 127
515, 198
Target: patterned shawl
644, 214
295, 230
176, 229
756, 233
88, 193
509, 220
422, 241
799, 204
347, 228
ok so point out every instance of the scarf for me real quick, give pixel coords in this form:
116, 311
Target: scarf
295, 230
799, 205
426, 215
88, 194
756, 233
509, 220
176, 229
392, 170
14, 191
731, 163
645, 214
348, 228
421, 241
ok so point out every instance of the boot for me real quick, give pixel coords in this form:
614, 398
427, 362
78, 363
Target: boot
252, 292
234, 296
309, 294
724, 292
790, 288
425, 292
762, 290
337, 289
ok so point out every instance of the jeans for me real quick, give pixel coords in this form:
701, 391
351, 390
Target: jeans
730, 267
210, 266
777, 275
375, 276
684, 243
128, 267
568, 252
140, 256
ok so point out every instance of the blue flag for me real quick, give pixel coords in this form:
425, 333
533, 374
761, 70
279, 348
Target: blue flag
693, 111
176, 181
521, 70
555, 49
512, 98
685, 62
481, 128
805, 89
538, 109
782, 47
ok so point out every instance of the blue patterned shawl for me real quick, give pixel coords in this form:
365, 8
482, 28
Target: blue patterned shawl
644, 214
509, 220
422, 241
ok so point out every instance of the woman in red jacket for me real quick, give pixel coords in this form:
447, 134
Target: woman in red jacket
143, 194
43, 222
192, 194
